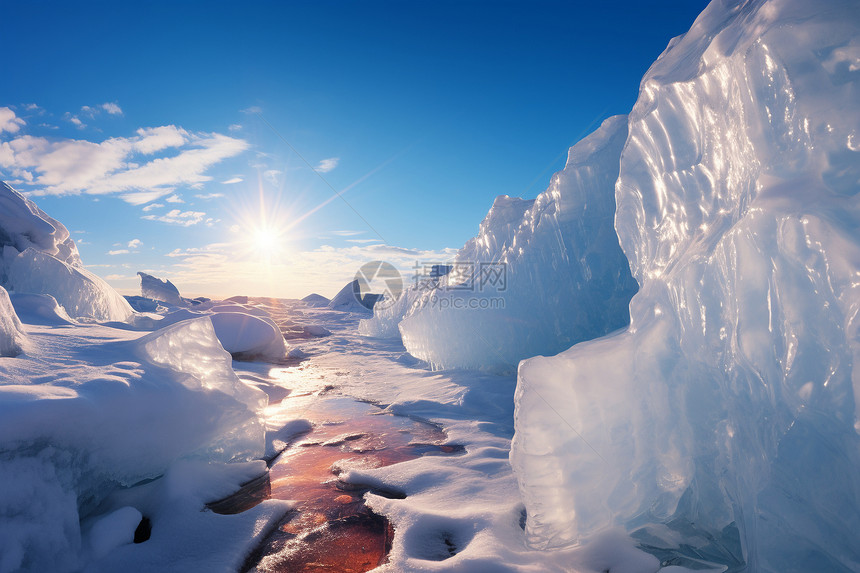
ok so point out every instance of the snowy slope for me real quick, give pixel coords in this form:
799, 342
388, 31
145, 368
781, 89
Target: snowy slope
723, 423
556, 275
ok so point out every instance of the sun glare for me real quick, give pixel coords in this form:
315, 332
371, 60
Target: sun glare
267, 242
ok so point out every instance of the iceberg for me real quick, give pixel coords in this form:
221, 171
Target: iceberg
157, 289
37, 256
722, 425
540, 275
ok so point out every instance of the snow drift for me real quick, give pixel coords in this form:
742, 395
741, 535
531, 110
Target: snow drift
541, 274
37, 256
722, 425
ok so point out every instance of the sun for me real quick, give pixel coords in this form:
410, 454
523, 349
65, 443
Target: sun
267, 242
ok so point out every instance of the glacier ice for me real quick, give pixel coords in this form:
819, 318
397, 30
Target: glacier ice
722, 424
37, 256
560, 275
158, 289
12, 335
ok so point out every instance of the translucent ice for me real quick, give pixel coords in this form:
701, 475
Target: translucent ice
541, 275
722, 425
12, 335
158, 289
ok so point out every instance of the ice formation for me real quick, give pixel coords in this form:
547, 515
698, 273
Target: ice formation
84, 417
247, 336
158, 289
350, 299
12, 335
37, 256
722, 425
541, 274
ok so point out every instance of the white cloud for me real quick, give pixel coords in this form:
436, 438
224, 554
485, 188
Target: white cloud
135, 244
152, 206
327, 165
272, 176
347, 233
232, 181
251, 110
119, 252
234, 127
112, 108
175, 199
9, 122
208, 196
363, 241
177, 217
118, 164
74, 120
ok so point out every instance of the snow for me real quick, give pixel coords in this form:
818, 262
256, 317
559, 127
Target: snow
248, 335
316, 300
541, 274
114, 529
39, 309
158, 289
722, 425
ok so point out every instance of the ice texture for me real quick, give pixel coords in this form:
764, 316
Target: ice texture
722, 425
249, 336
87, 414
12, 335
562, 277
37, 256
158, 289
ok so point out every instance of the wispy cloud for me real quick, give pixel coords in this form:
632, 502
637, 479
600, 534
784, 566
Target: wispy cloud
327, 165
152, 206
347, 233
116, 165
363, 241
112, 108
234, 127
175, 199
119, 252
177, 217
135, 244
207, 196
9, 122
232, 181
252, 109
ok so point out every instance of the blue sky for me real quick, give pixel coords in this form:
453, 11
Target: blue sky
145, 127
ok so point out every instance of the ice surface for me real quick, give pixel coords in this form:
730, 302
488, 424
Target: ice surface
722, 425
12, 335
158, 289
560, 275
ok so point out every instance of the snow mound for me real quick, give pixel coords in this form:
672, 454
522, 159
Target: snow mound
316, 300
37, 256
722, 425
12, 335
351, 299
93, 416
158, 289
40, 309
24, 225
81, 293
247, 336
541, 275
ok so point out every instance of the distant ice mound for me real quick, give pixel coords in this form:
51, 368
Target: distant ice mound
158, 289
351, 299
37, 256
722, 425
316, 300
540, 275
12, 335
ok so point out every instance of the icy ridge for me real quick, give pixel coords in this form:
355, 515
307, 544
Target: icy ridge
562, 276
725, 418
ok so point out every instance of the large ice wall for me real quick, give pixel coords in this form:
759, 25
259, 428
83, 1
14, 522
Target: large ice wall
556, 273
37, 256
723, 423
